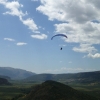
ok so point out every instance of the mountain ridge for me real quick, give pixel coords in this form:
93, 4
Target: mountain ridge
15, 73
83, 77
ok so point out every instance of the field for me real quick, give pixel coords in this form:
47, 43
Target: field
19, 89
16, 90
91, 89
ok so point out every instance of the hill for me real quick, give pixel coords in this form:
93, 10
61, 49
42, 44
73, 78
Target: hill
4, 81
6, 77
84, 77
52, 90
15, 73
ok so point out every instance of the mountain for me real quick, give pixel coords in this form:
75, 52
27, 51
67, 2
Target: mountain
52, 90
15, 73
4, 81
84, 77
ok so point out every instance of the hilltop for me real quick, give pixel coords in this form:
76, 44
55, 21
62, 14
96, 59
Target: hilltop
52, 90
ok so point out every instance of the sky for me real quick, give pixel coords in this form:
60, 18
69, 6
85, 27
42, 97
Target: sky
26, 28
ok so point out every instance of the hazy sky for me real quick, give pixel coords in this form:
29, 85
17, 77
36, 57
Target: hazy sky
26, 28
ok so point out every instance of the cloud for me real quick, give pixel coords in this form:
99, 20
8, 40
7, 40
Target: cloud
69, 70
68, 10
72, 69
96, 55
41, 36
30, 23
21, 43
69, 62
60, 61
14, 9
85, 48
79, 33
79, 20
34, 0
9, 39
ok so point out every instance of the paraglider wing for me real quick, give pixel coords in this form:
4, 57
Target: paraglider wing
59, 35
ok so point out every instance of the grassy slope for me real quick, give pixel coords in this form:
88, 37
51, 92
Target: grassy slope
17, 89
8, 92
91, 89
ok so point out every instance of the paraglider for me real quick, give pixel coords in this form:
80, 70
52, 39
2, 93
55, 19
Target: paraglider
59, 35
61, 48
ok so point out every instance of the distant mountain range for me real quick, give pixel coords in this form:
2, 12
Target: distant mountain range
84, 77
52, 90
14, 73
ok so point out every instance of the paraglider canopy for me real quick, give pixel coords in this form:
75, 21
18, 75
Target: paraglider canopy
59, 35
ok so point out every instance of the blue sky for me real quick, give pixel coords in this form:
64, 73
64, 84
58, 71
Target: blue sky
26, 28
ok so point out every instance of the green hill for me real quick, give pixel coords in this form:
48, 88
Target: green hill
4, 81
6, 77
52, 90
